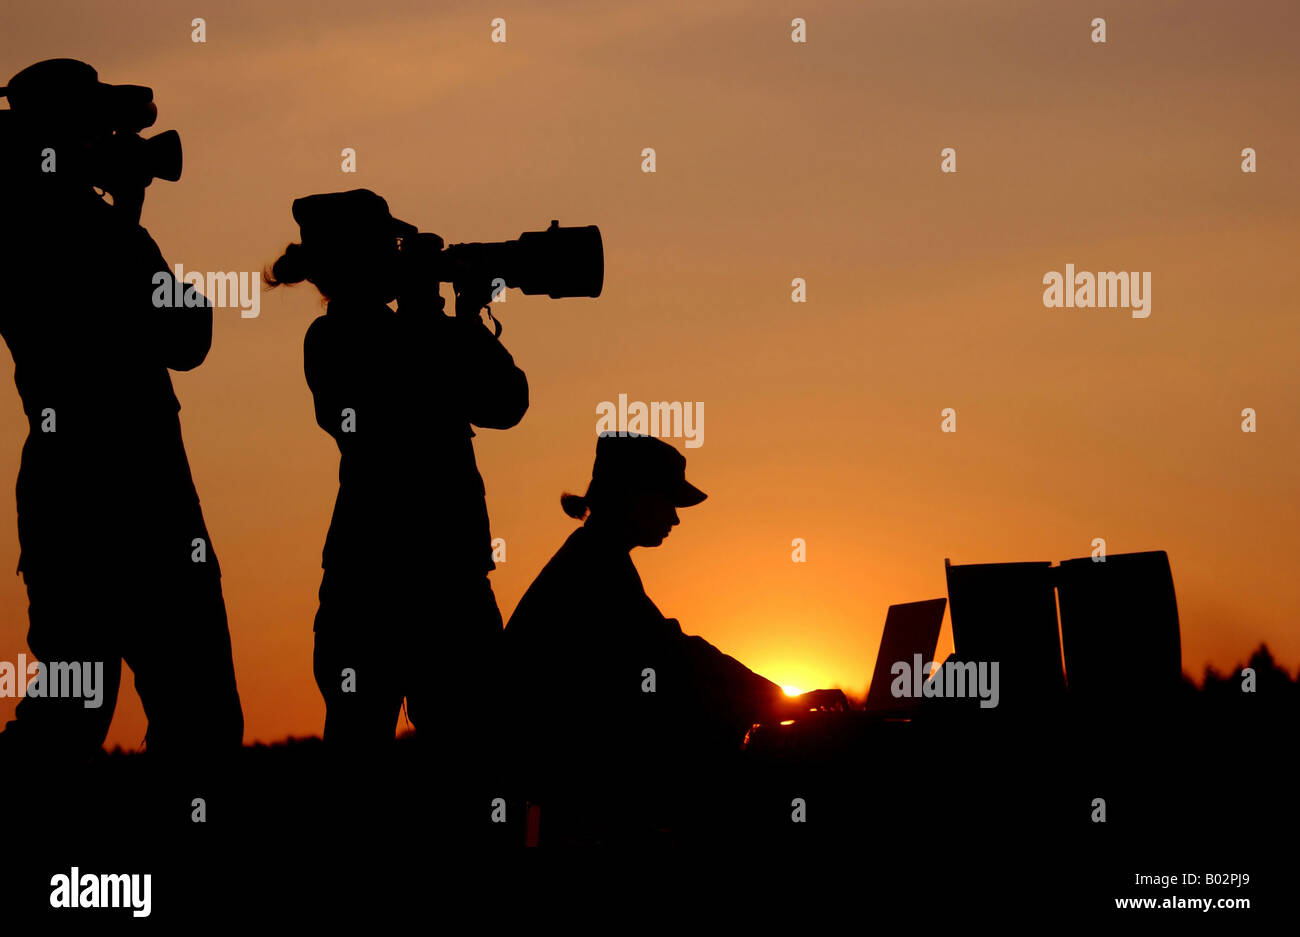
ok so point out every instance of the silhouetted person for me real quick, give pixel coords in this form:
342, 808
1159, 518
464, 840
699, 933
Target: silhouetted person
115, 554
616, 707
406, 608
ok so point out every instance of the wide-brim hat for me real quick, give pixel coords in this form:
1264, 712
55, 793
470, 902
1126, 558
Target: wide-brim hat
631, 462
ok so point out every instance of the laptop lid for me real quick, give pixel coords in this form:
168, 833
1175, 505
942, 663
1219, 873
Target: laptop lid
910, 628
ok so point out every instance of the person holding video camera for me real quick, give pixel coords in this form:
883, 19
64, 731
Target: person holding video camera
406, 608
114, 550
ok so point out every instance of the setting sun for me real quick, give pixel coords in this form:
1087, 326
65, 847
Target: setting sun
791, 690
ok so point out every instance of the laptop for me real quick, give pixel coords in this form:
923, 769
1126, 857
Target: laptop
910, 628
1006, 612
1119, 627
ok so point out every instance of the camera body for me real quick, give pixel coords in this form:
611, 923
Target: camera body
557, 262
126, 157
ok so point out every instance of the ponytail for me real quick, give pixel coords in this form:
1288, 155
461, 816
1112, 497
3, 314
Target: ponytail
291, 267
575, 506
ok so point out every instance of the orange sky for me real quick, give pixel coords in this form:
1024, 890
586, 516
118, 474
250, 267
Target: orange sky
775, 160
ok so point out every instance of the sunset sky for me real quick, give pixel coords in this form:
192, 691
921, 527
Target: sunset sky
775, 160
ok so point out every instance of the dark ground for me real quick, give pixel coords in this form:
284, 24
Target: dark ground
950, 814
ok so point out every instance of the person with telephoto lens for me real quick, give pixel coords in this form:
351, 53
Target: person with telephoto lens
115, 554
406, 608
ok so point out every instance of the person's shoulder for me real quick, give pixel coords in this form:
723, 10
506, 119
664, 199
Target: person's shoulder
319, 333
553, 585
319, 328
579, 540
567, 560
586, 554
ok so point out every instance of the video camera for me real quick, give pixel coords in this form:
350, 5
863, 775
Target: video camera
62, 100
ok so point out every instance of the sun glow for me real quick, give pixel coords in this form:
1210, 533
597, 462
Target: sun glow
791, 690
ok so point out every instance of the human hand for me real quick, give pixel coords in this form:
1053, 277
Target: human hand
819, 699
472, 298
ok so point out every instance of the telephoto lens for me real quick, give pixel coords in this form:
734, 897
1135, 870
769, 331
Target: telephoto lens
558, 262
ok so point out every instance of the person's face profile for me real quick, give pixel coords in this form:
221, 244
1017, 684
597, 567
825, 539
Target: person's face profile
653, 517
370, 269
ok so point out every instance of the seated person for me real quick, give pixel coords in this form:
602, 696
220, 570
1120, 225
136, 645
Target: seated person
618, 708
